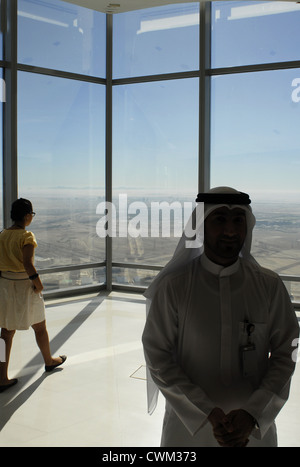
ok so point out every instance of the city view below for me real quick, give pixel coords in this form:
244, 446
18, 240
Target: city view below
65, 228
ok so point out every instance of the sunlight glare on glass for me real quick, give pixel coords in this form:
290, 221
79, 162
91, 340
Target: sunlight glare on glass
42, 19
171, 22
262, 9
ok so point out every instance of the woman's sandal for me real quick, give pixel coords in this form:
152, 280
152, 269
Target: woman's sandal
3, 387
51, 367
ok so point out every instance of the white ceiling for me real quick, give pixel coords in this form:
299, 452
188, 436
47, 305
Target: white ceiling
120, 6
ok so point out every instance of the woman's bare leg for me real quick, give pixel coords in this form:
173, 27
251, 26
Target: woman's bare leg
42, 339
7, 336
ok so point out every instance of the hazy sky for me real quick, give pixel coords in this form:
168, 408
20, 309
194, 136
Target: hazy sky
254, 120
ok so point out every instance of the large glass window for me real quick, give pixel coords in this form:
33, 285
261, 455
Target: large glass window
2, 100
255, 119
61, 35
255, 148
1, 35
156, 40
61, 145
155, 135
155, 159
250, 32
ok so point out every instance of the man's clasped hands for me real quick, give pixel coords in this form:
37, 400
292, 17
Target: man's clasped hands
233, 429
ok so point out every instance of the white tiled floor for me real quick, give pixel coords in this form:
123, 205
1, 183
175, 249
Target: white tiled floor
98, 398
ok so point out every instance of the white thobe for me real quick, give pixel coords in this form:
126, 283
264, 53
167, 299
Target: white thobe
196, 327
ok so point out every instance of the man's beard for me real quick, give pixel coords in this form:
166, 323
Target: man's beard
226, 248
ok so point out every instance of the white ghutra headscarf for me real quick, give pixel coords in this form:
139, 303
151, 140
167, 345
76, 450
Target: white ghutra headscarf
187, 250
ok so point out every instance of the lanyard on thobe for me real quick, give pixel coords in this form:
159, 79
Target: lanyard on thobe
226, 329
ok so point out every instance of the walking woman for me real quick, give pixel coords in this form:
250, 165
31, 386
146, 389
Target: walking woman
21, 303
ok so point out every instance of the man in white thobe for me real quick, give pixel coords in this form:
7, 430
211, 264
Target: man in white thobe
219, 335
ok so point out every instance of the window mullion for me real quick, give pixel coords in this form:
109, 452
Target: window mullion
204, 96
10, 160
108, 155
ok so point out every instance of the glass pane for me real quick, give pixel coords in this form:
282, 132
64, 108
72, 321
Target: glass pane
245, 33
155, 160
61, 35
293, 289
156, 40
73, 279
255, 148
61, 144
133, 277
1, 36
2, 100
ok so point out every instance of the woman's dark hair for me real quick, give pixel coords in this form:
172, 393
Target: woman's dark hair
20, 208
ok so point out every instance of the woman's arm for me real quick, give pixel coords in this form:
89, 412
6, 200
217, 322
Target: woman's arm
28, 251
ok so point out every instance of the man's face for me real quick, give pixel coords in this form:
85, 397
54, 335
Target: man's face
224, 235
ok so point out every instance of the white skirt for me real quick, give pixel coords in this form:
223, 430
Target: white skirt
20, 306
